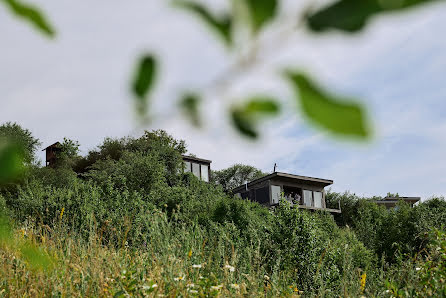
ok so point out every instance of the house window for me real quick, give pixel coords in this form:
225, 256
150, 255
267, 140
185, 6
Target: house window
196, 169
186, 166
205, 173
308, 198
317, 199
275, 194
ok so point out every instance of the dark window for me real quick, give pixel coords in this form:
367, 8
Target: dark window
262, 195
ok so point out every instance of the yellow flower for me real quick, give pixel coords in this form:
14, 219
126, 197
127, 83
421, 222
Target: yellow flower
61, 213
190, 253
363, 280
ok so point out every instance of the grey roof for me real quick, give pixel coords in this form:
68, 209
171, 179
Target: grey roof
287, 176
57, 144
193, 158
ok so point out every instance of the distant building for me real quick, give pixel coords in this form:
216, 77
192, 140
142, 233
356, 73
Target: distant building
305, 192
51, 154
390, 202
201, 168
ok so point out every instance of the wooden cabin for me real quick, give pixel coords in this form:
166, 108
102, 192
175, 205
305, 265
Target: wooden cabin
305, 192
51, 154
201, 168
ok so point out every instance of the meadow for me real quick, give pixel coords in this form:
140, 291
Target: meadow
125, 220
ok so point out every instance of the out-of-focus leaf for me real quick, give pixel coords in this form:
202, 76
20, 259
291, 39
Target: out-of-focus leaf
32, 15
11, 161
336, 115
245, 118
221, 25
261, 11
352, 15
143, 81
35, 256
189, 104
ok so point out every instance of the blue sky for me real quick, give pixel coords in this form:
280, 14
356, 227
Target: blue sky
77, 86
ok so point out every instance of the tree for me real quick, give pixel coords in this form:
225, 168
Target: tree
22, 138
236, 175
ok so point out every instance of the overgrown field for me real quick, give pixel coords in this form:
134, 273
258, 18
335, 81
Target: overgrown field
124, 220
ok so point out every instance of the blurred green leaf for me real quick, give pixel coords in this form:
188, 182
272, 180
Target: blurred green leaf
352, 15
189, 104
143, 81
31, 14
336, 115
11, 161
261, 11
245, 118
35, 256
221, 25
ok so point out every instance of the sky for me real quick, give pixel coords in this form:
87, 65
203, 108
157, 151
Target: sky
77, 86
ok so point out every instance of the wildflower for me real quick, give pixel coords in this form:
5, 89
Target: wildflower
201, 277
235, 286
150, 287
61, 213
363, 280
189, 254
230, 268
179, 278
193, 291
266, 277
387, 291
216, 288
418, 268
196, 266
190, 285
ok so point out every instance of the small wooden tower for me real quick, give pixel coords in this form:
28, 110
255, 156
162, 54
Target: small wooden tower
51, 153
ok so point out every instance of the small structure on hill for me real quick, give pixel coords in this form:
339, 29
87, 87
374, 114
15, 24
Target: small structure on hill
51, 154
390, 201
201, 168
305, 192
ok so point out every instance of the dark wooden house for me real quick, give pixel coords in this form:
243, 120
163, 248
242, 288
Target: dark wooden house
198, 166
305, 192
51, 154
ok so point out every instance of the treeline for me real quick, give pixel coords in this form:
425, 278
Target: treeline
126, 220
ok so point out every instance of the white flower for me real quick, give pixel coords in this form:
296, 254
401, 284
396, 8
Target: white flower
418, 268
193, 291
230, 268
201, 277
216, 288
178, 278
387, 291
190, 285
235, 286
196, 266
154, 286
149, 287
266, 277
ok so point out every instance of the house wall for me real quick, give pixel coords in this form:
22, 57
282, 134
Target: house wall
303, 186
265, 186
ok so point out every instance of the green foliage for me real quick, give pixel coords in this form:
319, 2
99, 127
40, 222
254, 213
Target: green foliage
261, 12
235, 176
30, 14
246, 117
15, 134
189, 104
143, 81
222, 26
11, 161
352, 16
338, 116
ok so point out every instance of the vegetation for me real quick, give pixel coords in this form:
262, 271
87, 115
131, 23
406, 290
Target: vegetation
125, 220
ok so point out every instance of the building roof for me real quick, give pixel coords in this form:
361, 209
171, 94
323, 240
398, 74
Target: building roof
288, 177
193, 158
55, 145
394, 200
